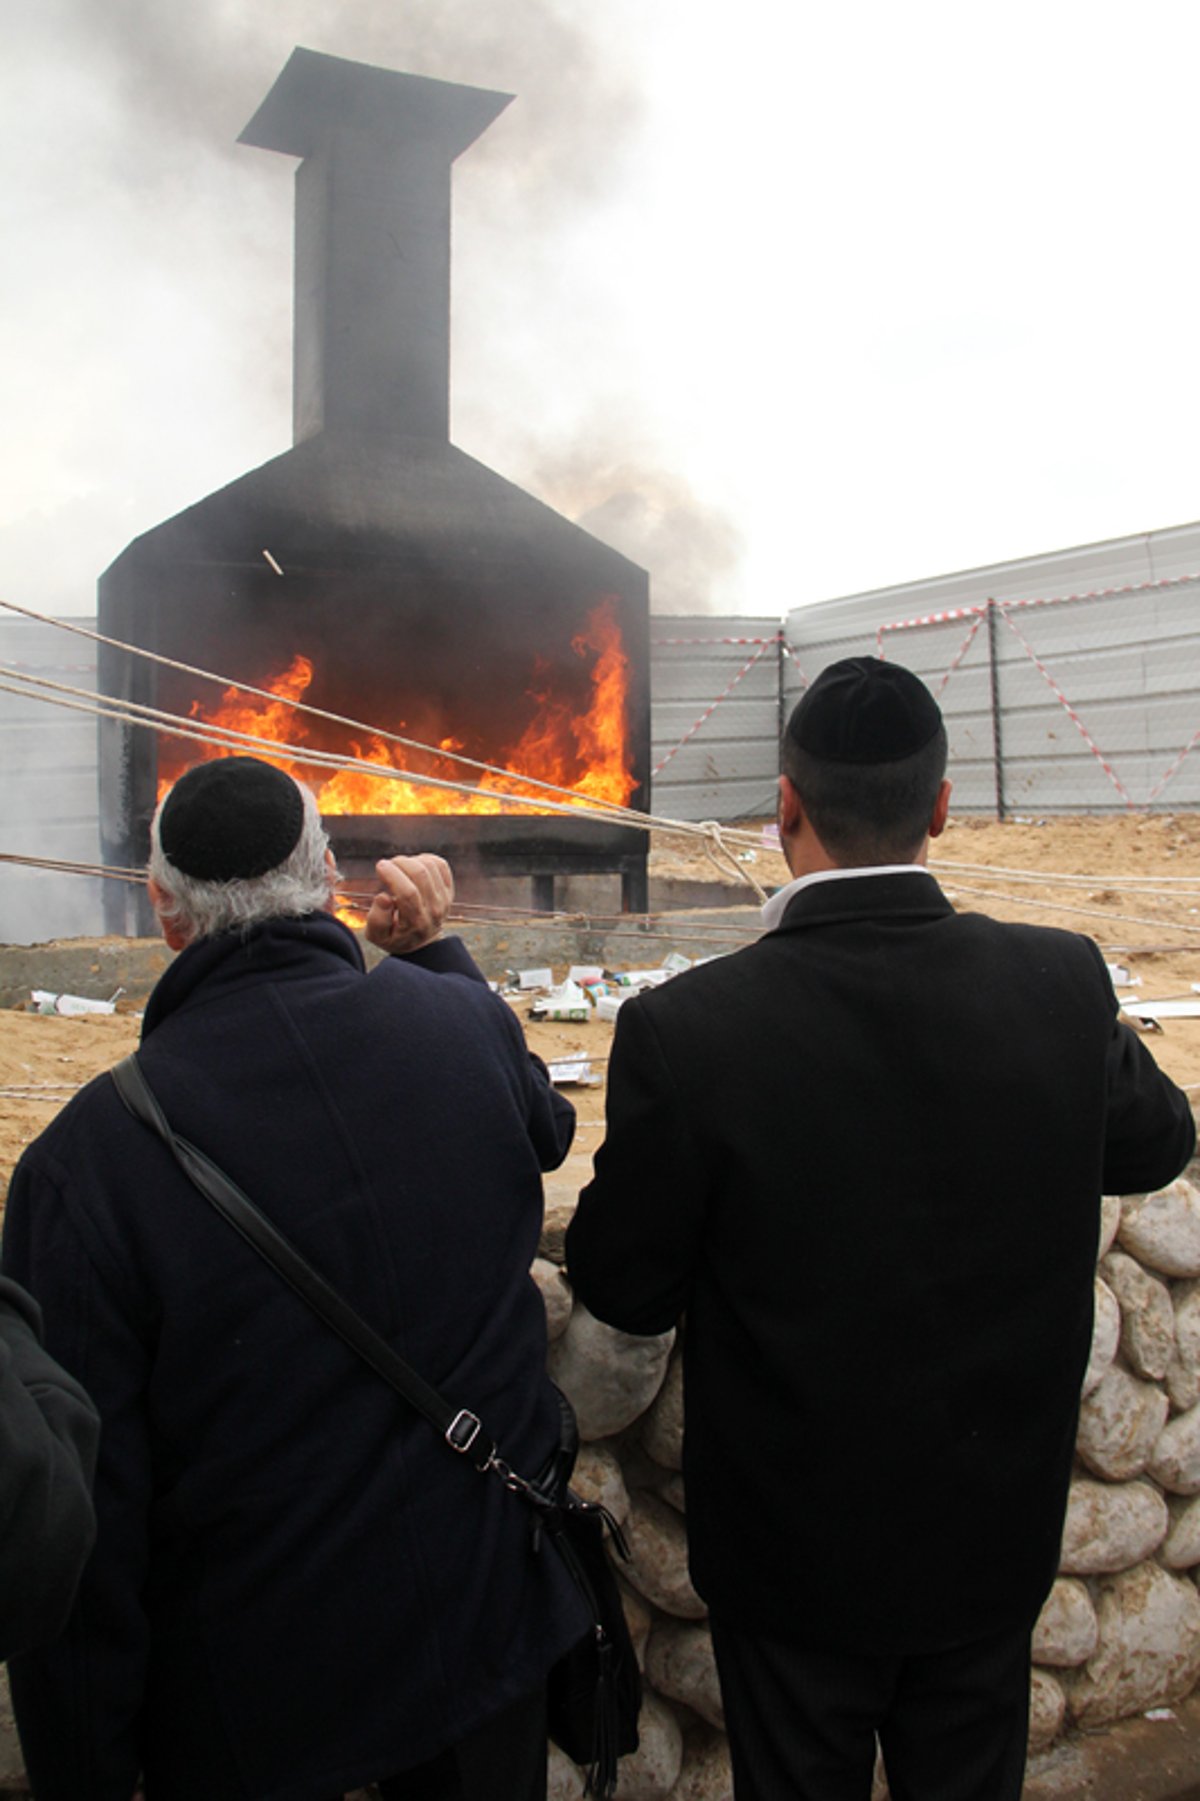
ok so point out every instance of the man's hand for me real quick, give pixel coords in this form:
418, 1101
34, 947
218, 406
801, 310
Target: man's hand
411, 907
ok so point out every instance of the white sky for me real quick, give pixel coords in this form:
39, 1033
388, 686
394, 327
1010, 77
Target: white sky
808, 297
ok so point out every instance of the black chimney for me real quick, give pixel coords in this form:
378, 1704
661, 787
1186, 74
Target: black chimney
430, 595
372, 325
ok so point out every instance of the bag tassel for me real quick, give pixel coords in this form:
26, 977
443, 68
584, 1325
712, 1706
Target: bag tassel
602, 1770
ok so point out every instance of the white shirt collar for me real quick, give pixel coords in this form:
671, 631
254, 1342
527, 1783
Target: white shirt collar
777, 906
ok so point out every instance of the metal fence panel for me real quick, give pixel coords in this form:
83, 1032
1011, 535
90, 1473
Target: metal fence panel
1070, 683
48, 796
714, 716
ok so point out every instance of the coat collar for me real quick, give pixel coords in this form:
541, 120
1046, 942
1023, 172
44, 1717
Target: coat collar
275, 949
909, 894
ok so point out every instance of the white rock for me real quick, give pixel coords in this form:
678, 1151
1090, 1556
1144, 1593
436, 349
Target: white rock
1176, 1458
610, 1377
658, 1544
1147, 1316
639, 1615
1149, 1649
557, 1295
1119, 1424
564, 1780
681, 1665
1106, 1335
1110, 1220
1047, 1709
599, 1478
1066, 1630
1183, 1372
1162, 1229
1109, 1527
672, 1489
12, 1764
1181, 1547
662, 1428
652, 1771
707, 1774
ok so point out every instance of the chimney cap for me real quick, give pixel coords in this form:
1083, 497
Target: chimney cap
316, 95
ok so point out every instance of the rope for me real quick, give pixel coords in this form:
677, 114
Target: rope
723, 859
33, 1091
135, 713
1024, 900
298, 706
462, 913
157, 719
1143, 884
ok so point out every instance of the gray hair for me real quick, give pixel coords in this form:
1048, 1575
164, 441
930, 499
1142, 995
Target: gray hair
301, 884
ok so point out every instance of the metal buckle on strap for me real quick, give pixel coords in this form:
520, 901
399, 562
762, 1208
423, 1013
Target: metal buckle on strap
463, 1430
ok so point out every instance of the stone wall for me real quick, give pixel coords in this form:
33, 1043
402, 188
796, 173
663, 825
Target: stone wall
1120, 1631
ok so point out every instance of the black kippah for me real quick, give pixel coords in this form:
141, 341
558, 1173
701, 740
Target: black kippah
863, 710
229, 819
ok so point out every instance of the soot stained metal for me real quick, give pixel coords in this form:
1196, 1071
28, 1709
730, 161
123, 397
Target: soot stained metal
429, 595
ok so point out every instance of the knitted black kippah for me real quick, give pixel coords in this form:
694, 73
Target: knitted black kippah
863, 710
231, 818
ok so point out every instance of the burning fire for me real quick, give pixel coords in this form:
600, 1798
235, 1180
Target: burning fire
586, 754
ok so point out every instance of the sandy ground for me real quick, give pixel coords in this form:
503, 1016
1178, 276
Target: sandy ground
1131, 882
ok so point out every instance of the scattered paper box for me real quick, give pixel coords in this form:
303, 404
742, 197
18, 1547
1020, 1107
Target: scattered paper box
1155, 1010
535, 978
566, 1002
573, 1070
72, 1005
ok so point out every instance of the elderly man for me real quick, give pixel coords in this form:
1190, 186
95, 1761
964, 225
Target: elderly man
297, 1588
865, 1156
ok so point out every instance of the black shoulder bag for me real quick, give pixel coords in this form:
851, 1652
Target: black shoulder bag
594, 1692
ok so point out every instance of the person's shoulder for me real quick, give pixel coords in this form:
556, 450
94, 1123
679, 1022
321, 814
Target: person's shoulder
711, 977
95, 1111
1051, 941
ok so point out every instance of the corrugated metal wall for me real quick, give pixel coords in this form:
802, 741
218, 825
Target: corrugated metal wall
48, 795
1098, 697
714, 716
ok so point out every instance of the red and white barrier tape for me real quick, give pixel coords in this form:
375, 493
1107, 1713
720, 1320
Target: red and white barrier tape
764, 644
978, 612
660, 643
1041, 600
1069, 710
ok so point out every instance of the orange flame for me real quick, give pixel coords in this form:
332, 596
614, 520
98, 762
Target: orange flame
587, 754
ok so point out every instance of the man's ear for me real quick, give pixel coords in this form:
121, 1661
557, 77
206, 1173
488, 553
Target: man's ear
332, 878
789, 810
160, 901
941, 808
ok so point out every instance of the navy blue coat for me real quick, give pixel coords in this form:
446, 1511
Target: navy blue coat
297, 1587
865, 1157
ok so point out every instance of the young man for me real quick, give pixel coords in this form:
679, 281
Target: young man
865, 1158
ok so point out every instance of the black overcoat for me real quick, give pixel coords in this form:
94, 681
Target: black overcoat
865, 1156
297, 1586
48, 1436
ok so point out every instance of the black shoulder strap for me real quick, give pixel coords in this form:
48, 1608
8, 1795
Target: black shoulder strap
462, 1430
